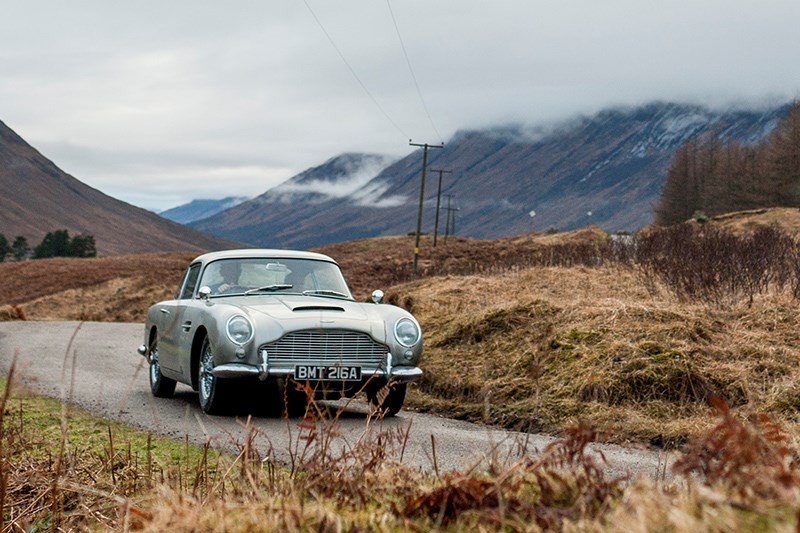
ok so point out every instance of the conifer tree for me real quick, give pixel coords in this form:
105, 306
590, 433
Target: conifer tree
5, 248
19, 248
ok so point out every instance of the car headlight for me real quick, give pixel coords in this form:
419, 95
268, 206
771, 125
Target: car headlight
239, 329
407, 332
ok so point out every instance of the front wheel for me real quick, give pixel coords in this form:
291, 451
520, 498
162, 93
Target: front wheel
212, 391
388, 400
160, 386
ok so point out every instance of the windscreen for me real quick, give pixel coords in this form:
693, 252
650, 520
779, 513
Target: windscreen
236, 276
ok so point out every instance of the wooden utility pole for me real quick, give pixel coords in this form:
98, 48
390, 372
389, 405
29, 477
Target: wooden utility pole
425, 146
438, 198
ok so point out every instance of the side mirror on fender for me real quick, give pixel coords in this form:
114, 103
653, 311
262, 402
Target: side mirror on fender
377, 296
204, 292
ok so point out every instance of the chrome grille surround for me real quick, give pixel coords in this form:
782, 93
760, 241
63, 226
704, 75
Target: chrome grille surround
323, 347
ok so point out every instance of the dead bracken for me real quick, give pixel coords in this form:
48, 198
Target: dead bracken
548, 330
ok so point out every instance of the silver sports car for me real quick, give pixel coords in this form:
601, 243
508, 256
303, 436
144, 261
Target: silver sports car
278, 320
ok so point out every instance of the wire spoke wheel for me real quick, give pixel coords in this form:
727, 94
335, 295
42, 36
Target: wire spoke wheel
160, 386
211, 390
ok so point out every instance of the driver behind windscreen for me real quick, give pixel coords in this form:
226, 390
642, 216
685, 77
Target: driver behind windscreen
230, 271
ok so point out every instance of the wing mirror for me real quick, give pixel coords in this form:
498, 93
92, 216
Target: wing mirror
377, 296
204, 292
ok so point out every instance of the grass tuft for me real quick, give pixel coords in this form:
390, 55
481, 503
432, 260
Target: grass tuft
737, 476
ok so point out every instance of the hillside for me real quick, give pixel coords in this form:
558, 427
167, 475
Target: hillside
38, 197
606, 170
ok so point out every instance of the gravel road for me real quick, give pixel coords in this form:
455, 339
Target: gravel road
95, 366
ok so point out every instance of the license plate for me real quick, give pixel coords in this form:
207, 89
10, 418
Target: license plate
327, 373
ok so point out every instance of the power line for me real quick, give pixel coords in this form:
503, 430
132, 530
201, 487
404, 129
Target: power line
353, 72
411, 70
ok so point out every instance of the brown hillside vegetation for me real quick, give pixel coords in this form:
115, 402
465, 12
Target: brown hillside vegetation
38, 197
384, 261
785, 218
533, 332
99, 289
543, 347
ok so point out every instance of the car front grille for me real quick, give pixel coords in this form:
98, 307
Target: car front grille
325, 347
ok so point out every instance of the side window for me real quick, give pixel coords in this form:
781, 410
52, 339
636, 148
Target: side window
190, 282
182, 283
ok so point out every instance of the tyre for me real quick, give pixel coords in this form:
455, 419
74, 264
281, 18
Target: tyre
160, 386
388, 400
212, 392
258, 398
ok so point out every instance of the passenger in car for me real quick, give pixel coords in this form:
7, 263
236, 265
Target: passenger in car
300, 280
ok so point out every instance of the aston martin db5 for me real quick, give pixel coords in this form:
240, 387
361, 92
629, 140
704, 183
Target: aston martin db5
278, 320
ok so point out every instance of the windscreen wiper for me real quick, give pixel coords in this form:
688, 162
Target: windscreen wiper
325, 292
268, 288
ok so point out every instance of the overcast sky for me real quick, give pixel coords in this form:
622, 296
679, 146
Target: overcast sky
159, 103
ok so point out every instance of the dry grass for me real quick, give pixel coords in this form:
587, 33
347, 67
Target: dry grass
538, 347
594, 344
63, 470
103, 289
785, 218
386, 261
67, 475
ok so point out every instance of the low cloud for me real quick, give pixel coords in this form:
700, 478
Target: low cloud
372, 195
356, 182
265, 91
353, 179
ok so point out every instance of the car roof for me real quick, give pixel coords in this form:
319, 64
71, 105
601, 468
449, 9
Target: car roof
248, 253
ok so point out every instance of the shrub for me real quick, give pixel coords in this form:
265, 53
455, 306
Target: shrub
715, 265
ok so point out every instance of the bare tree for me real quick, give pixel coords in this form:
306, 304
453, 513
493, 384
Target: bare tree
712, 176
783, 155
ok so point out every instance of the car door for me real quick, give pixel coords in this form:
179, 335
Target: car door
173, 346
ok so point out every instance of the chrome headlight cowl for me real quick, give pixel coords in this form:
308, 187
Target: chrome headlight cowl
239, 329
407, 332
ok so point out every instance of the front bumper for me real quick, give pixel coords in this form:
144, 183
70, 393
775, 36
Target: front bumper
387, 371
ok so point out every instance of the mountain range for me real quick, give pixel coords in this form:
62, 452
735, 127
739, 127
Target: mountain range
38, 198
607, 169
200, 209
